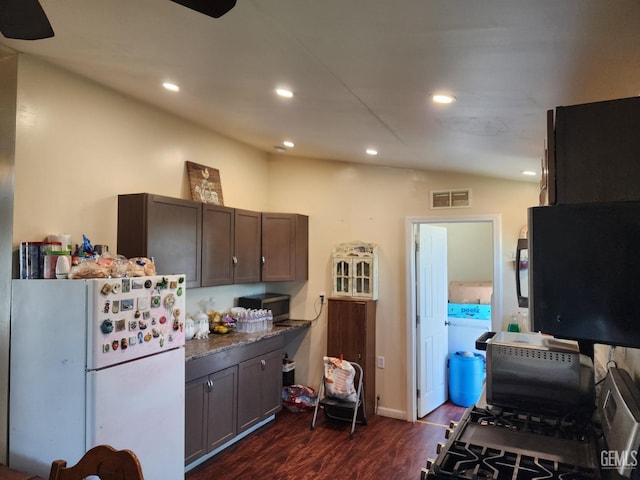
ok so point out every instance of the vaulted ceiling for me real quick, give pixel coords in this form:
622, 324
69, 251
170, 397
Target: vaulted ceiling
362, 71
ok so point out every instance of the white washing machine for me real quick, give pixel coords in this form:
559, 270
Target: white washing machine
466, 323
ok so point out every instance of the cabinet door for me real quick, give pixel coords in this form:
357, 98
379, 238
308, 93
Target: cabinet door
271, 383
222, 401
195, 427
163, 228
259, 389
341, 277
247, 235
346, 330
174, 236
217, 245
351, 331
362, 269
249, 393
285, 245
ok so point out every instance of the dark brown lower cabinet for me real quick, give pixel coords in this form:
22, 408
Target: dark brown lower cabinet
228, 392
259, 389
210, 412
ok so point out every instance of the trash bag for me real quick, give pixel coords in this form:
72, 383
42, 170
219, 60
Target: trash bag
299, 398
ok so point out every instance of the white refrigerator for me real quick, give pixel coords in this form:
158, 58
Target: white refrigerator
94, 362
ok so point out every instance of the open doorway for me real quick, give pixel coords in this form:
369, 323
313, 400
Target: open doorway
412, 229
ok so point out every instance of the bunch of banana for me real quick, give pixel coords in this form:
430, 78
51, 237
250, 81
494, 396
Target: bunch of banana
219, 328
215, 318
219, 323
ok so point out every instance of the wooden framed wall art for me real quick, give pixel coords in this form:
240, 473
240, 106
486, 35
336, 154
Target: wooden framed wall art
205, 184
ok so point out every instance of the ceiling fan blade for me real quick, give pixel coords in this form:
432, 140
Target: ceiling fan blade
24, 20
212, 8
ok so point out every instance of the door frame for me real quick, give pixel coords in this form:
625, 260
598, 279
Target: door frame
411, 307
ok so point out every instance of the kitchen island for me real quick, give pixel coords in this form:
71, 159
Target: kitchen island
233, 386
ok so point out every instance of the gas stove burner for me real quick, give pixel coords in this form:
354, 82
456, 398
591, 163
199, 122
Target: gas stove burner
548, 425
469, 461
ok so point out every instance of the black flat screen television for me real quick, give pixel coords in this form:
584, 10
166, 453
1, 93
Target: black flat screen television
584, 277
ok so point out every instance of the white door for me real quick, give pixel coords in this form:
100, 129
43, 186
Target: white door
431, 335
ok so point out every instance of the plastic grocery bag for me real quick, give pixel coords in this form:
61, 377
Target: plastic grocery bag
339, 379
298, 398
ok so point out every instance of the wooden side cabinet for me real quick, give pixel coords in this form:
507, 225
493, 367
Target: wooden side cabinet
285, 247
351, 332
210, 412
163, 228
259, 389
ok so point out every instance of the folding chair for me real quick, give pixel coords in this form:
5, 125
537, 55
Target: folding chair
341, 393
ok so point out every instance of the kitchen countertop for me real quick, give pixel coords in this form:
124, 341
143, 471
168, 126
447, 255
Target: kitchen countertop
197, 348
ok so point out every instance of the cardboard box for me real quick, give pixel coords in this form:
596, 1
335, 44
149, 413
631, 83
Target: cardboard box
473, 311
470, 292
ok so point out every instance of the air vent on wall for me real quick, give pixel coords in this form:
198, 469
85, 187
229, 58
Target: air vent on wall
458, 198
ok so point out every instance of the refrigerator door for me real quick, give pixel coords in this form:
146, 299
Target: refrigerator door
139, 405
135, 317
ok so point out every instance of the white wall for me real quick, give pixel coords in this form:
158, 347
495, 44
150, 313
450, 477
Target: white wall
79, 145
469, 251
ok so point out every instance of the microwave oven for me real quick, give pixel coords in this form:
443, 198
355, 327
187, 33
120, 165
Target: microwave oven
278, 303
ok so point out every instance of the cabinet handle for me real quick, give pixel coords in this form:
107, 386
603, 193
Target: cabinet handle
263, 260
263, 364
209, 385
234, 260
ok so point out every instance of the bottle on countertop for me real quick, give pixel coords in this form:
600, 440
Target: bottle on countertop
514, 325
523, 322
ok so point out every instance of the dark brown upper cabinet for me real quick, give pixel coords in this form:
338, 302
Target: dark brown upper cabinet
211, 244
285, 247
168, 230
217, 245
246, 241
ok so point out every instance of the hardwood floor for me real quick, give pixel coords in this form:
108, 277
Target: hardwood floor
286, 449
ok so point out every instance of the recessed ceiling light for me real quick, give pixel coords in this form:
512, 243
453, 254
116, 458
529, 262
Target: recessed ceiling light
443, 98
288, 144
285, 93
171, 86
531, 173
371, 151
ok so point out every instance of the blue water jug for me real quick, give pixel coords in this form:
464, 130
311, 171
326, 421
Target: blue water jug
466, 374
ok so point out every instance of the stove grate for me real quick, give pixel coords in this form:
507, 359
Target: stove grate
475, 462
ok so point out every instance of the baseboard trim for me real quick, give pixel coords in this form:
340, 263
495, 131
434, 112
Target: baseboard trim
392, 413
